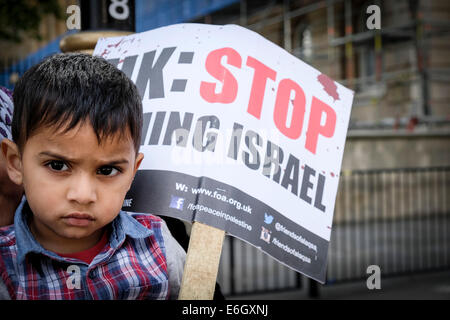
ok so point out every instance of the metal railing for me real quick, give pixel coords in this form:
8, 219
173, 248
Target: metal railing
397, 219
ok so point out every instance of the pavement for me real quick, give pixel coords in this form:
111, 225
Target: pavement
424, 286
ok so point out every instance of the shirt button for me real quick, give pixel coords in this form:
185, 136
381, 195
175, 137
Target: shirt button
93, 274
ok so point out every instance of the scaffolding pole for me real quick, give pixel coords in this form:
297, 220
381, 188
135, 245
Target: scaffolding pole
243, 13
349, 67
330, 36
287, 27
421, 53
378, 53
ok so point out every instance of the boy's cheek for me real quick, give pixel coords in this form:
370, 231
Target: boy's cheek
108, 210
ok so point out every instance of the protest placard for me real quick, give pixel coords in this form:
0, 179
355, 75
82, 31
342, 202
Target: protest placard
239, 135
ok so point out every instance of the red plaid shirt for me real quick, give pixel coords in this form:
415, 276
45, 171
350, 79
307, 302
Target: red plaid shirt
131, 266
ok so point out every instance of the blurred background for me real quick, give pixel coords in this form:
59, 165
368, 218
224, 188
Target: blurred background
392, 208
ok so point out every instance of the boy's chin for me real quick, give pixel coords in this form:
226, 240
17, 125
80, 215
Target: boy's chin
81, 234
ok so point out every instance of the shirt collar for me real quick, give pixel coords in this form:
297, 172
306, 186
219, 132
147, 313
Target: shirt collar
24, 239
123, 225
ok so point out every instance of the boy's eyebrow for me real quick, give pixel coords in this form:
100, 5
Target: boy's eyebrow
54, 155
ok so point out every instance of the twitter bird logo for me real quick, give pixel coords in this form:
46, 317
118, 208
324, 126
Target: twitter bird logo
268, 218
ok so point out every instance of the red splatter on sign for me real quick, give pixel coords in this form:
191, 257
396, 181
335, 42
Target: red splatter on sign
329, 86
332, 174
121, 42
104, 53
115, 45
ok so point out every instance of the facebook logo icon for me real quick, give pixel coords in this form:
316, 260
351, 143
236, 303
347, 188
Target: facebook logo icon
176, 203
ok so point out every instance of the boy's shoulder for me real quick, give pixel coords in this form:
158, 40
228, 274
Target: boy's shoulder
148, 220
7, 236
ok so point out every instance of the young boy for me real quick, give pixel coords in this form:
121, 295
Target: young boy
76, 130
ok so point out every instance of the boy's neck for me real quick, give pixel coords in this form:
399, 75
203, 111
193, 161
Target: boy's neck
8, 206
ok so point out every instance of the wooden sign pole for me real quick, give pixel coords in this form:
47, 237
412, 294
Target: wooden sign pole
202, 263
85, 41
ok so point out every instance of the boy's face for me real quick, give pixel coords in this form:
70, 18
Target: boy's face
74, 186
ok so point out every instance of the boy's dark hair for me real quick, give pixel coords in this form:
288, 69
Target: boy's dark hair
65, 90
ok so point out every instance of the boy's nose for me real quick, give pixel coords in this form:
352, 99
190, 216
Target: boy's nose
82, 190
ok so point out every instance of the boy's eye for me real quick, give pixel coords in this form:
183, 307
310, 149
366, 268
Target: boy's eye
57, 165
108, 171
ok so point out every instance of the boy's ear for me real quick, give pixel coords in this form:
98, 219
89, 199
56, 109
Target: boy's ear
11, 153
138, 161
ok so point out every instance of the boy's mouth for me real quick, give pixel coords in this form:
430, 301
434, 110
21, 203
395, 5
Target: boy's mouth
78, 219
